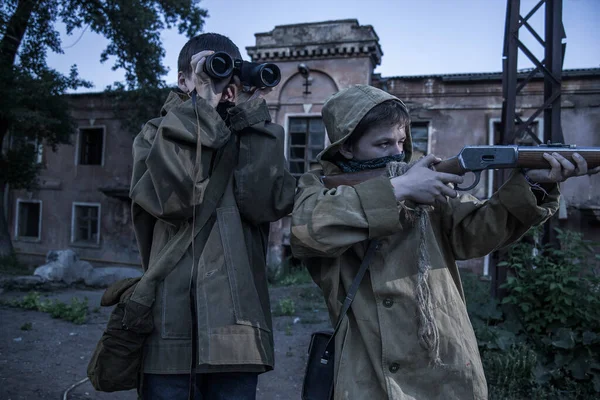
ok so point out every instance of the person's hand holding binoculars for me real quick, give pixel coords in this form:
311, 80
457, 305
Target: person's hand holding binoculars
213, 71
252, 93
209, 89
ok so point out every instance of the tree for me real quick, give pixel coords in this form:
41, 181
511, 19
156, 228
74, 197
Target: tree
33, 108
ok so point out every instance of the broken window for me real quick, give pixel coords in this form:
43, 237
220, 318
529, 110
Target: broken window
29, 219
91, 146
86, 223
419, 132
34, 144
306, 140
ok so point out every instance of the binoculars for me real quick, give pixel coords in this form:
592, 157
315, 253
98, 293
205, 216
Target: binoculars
221, 65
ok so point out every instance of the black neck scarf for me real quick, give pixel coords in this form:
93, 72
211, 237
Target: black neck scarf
355, 165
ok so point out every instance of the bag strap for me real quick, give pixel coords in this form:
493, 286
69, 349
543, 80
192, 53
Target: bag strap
350, 298
227, 160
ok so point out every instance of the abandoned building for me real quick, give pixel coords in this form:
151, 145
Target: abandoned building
83, 202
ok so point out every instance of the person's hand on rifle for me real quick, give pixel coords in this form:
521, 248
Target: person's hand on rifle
423, 185
561, 169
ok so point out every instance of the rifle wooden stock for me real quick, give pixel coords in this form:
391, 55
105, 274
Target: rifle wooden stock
533, 157
480, 158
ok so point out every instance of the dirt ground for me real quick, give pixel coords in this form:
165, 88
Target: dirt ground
46, 360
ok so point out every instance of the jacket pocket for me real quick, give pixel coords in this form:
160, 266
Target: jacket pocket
173, 293
175, 318
247, 306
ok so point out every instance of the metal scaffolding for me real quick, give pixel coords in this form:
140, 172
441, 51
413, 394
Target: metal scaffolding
513, 82
550, 67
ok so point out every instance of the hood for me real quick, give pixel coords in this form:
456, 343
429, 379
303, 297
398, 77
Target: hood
214, 132
174, 99
344, 110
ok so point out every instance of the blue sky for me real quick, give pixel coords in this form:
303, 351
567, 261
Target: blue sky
417, 37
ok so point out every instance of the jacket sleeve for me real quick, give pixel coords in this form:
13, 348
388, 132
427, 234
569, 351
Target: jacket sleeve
476, 228
164, 167
326, 222
143, 222
263, 187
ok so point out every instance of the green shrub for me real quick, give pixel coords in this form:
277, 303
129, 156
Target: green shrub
75, 312
543, 340
555, 294
285, 307
290, 274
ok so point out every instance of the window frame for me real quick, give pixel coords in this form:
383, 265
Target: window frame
17, 221
287, 138
428, 125
74, 220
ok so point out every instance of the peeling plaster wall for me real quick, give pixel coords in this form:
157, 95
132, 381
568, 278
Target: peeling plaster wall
63, 182
459, 109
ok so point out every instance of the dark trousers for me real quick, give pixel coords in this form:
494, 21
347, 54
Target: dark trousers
213, 386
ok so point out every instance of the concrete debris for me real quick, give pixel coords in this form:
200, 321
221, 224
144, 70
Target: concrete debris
65, 266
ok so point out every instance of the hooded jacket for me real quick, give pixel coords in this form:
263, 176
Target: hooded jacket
407, 335
232, 305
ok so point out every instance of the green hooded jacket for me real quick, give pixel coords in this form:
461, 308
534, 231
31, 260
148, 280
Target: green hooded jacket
407, 334
234, 318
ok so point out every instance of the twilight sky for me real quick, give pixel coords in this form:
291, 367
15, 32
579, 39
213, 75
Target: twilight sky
417, 37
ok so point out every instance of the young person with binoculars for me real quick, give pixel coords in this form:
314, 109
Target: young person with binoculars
203, 194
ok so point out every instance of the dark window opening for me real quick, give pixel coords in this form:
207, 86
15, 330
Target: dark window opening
91, 143
29, 220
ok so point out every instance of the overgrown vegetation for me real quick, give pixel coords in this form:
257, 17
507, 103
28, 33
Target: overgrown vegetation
290, 274
285, 307
10, 265
543, 340
75, 312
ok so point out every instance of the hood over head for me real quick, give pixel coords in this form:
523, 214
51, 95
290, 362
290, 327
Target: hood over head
344, 110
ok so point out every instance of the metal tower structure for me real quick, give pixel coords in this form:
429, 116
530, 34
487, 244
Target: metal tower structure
513, 82
550, 67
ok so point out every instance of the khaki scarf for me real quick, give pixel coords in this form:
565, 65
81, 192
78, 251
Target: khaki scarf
428, 330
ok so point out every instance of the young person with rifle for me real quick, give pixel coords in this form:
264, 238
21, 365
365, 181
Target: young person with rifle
407, 334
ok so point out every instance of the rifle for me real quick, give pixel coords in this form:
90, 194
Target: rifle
476, 159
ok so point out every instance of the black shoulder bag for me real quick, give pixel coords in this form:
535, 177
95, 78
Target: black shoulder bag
318, 376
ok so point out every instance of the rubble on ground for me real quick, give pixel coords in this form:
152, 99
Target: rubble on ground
64, 268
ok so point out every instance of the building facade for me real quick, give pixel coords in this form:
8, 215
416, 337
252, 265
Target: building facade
83, 203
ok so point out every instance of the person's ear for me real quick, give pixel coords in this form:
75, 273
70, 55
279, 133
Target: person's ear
346, 151
181, 82
229, 93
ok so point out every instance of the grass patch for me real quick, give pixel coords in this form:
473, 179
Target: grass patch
294, 276
75, 312
285, 307
26, 326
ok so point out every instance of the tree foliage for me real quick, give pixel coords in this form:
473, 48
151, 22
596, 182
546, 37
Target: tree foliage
33, 108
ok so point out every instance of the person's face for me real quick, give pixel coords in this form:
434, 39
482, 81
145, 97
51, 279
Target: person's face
376, 142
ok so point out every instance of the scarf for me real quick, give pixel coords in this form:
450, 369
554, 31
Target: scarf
357, 165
